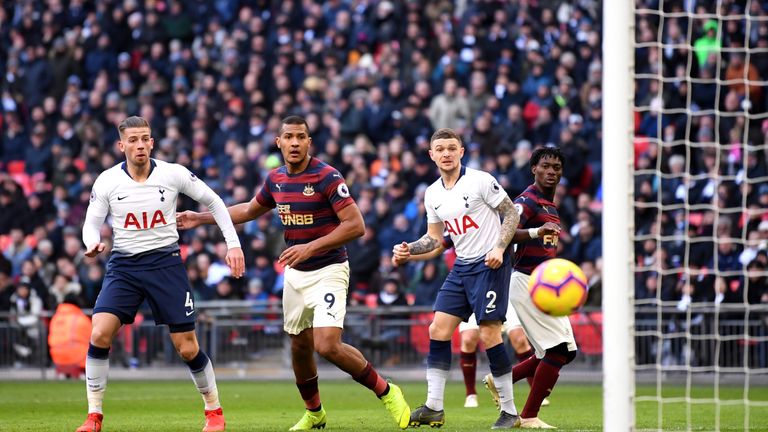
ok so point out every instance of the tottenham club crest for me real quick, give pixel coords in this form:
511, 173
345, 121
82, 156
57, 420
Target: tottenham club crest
308, 190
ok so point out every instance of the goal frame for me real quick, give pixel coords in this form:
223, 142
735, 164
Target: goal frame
618, 216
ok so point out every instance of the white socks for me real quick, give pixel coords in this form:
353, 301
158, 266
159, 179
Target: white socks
436, 379
205, 380
506, 396
96, 371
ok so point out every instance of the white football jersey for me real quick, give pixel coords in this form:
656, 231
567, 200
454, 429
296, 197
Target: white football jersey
144, 214
468, 211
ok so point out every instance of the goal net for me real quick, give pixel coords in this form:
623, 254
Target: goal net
700, 225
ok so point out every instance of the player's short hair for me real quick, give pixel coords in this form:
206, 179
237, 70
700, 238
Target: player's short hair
551, 151
446, 133
132, 122
293, 120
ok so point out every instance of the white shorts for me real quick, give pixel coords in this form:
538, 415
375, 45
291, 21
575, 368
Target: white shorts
316, 298
543, 331
510, 324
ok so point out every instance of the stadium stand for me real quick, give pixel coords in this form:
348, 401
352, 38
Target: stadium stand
373, 79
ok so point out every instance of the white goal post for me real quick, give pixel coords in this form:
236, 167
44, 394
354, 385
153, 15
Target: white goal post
685, 215
618, 312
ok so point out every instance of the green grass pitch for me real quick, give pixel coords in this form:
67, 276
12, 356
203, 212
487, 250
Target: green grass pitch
275, 406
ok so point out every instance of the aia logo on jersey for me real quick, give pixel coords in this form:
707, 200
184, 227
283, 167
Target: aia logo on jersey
460, 226
143, 221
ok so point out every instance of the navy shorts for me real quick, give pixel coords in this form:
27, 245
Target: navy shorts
166, 288
476, 288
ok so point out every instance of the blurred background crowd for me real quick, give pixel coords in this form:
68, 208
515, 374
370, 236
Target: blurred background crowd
374, 79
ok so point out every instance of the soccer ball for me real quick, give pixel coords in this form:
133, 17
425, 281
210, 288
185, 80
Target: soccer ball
558, 287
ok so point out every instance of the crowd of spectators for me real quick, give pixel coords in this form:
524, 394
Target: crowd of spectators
374, 79
715, 165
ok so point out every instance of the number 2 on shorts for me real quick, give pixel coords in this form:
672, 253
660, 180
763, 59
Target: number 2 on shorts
491, 295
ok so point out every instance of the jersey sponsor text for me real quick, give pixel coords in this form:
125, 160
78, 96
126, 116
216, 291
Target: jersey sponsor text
140, 222
550, 239
288, 218
460, 227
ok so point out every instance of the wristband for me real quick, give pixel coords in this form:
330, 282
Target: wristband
533, 233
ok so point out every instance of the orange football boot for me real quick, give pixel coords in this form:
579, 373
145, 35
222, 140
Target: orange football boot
92, 423
214, 420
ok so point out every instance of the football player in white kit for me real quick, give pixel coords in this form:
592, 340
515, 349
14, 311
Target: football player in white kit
470, 337
140, 197
466, 203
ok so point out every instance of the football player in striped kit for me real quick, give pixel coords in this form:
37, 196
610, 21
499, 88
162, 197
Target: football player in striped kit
320, 217
537, 236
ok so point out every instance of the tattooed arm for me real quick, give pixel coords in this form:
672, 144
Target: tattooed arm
430, 241
509, 224
495, 258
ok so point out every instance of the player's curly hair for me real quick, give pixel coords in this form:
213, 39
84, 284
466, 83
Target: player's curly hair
446, 133
132, 122
551, 151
